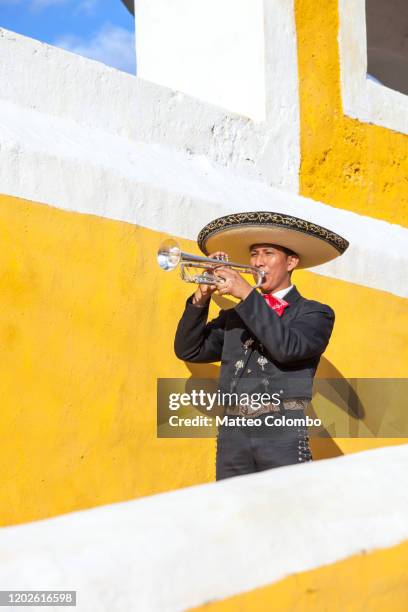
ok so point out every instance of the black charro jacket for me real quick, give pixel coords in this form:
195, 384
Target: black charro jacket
259, 351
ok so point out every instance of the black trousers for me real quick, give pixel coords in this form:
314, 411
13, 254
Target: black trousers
247, 449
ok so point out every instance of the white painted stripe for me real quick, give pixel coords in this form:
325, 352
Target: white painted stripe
56, 162
173, 551
364, 99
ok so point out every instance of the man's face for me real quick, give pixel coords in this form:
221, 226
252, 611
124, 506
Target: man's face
276, 264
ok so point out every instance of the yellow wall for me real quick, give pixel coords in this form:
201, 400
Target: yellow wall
375, 582
86, 327
344, 162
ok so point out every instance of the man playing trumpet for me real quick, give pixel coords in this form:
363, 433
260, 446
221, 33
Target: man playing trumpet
271, 341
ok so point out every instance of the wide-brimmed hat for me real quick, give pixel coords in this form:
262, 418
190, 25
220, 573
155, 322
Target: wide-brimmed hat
236, 233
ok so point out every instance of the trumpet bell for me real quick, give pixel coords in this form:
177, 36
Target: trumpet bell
169, 255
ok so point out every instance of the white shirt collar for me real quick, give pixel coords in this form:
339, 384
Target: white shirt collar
281, 294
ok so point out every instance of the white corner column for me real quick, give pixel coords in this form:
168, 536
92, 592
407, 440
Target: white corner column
238, 55
213, 50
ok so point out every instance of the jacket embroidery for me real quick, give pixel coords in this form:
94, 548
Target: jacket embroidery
238, 366
262, 361
247, 344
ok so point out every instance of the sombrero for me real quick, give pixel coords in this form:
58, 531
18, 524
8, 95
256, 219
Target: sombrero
235, 234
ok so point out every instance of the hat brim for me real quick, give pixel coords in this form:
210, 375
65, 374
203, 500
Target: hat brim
236, 233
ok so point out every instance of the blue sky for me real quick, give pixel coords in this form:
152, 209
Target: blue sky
100, 29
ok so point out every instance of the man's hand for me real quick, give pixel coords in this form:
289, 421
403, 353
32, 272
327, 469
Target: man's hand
233, 283
204, 292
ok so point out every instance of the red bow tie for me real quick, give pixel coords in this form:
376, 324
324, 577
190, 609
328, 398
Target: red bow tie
275, 303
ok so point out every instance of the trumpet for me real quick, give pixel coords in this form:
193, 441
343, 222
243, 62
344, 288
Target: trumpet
169, 256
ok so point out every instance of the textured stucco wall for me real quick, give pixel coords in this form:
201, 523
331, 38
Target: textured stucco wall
95, 97
345, 162
319, 536
82, 298
87, 326
95, 168
239, 55
344, 585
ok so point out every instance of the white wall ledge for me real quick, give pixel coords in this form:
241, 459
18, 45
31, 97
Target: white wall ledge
74, 88
220, 539
155, 186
